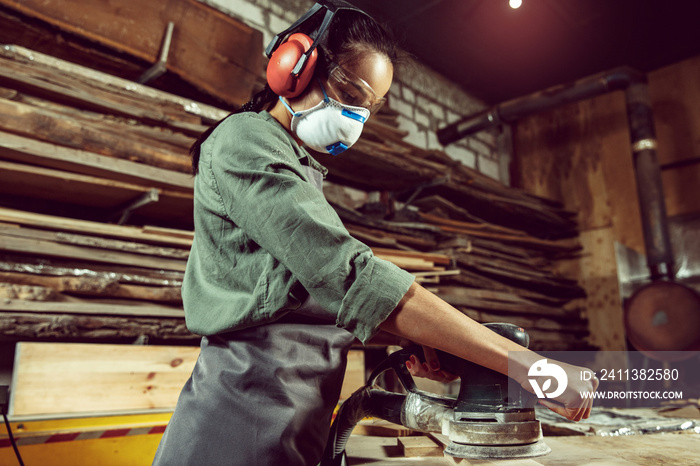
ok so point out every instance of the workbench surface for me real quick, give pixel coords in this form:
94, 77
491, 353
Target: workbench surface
653, 449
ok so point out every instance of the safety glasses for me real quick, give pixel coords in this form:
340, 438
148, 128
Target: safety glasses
350, 89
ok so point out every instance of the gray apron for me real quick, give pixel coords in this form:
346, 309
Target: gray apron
263, 395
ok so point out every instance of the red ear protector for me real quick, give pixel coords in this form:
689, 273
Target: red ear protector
292, 62
280, 75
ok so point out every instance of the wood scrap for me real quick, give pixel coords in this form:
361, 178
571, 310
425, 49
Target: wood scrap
382, 428
420, 445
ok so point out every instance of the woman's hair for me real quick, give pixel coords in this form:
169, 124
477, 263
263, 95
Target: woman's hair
350, 35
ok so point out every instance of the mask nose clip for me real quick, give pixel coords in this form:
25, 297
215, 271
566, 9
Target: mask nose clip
354, 115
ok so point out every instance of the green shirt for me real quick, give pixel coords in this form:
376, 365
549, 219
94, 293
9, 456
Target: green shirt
266, 238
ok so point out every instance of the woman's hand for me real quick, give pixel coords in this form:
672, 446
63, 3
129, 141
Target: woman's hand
575, 401
428, 320
430, 369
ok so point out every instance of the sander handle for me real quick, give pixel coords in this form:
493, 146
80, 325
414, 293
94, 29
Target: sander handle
467, 371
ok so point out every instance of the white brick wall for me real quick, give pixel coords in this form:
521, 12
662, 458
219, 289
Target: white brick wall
424, 100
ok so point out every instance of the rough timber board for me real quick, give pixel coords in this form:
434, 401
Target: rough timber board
154, 99
209, 49
22, 180
30, 151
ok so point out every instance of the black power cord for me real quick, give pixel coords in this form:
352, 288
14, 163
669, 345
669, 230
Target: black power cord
4, 403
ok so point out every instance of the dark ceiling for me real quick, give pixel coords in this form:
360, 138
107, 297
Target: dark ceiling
497, 53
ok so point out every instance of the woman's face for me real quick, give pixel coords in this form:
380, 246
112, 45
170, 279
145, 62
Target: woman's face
363, 82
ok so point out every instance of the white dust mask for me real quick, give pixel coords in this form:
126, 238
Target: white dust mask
330, 126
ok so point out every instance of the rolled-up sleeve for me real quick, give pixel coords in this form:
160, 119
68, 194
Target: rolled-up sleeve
263, 191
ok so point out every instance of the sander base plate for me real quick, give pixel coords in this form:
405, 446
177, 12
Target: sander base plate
497, 452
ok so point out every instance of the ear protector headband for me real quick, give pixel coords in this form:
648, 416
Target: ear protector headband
293, 61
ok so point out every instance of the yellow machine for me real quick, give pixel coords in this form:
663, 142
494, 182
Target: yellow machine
125, 440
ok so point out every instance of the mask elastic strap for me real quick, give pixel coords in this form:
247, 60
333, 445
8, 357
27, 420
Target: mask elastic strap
297, 114
284, 102
323, 89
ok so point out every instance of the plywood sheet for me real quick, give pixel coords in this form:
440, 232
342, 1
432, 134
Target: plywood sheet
579, 154
597, 272
560, 156
675, 95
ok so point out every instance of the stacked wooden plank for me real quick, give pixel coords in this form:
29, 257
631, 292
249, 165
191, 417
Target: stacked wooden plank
95, 224
63, 278
182, 45
381, 160
496, 273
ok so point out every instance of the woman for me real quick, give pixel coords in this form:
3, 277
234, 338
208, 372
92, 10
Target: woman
278, 287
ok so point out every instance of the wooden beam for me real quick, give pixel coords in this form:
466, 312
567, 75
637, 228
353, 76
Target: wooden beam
32, 326
95, 286
74, 90
529, 322
23, 180
141, 234
210, 49
20, 305
431, 257
40, 247
498, 302
30, 151
101, 137
58, 267
95, 242
125, 91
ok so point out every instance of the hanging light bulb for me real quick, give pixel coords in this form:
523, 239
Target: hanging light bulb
515, 3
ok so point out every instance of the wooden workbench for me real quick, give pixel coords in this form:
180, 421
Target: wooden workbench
653, 449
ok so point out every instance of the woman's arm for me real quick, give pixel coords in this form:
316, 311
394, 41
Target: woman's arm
424, 318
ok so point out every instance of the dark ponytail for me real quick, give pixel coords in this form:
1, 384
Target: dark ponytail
349, 35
